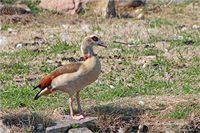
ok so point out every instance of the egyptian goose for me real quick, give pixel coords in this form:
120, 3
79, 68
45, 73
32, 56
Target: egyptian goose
71, 78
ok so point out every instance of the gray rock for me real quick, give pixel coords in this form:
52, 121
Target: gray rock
105, 8
141, 16
110, 10
64, 125
3, 128
80, 130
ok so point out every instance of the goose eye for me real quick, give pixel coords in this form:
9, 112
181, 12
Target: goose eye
94, 38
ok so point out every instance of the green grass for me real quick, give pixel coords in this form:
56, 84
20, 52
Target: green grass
5, 26
33, 6
14, 95
9, 2
180, 112
158, 22
47, 68
59, 47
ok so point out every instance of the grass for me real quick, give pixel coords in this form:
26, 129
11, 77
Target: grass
158, 22
124, 80
180, 112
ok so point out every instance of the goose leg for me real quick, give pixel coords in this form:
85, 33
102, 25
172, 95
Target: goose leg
76, 117
78, 102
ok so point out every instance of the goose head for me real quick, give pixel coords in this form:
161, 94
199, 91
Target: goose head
88, 44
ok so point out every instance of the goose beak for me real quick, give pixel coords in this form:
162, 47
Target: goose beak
102, 45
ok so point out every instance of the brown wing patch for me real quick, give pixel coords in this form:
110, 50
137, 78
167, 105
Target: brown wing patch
69, 68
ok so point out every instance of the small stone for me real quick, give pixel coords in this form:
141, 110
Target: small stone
166, 50
138, 11
184, 29
141, 16
17, 80
80, 130
120, 63
141, 103
195, 26
140, 127
40, 127
19, 45
64, 125
145, 65
9, 30
49, 61
112, 87
180, 37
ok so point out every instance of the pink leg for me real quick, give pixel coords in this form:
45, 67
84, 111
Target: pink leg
78, 102
76, 117
71, 106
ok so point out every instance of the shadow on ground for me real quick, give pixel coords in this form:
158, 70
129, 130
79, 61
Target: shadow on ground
32, 122
116, 119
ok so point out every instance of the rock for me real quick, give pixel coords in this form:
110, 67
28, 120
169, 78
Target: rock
19, 45
141, 103
3, 128
110, 9
138, 11
130, 3
40, 127
64, 125
105, 8
141, 16
63, 6
80, 130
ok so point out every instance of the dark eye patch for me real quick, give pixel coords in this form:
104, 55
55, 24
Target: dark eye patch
94, 38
